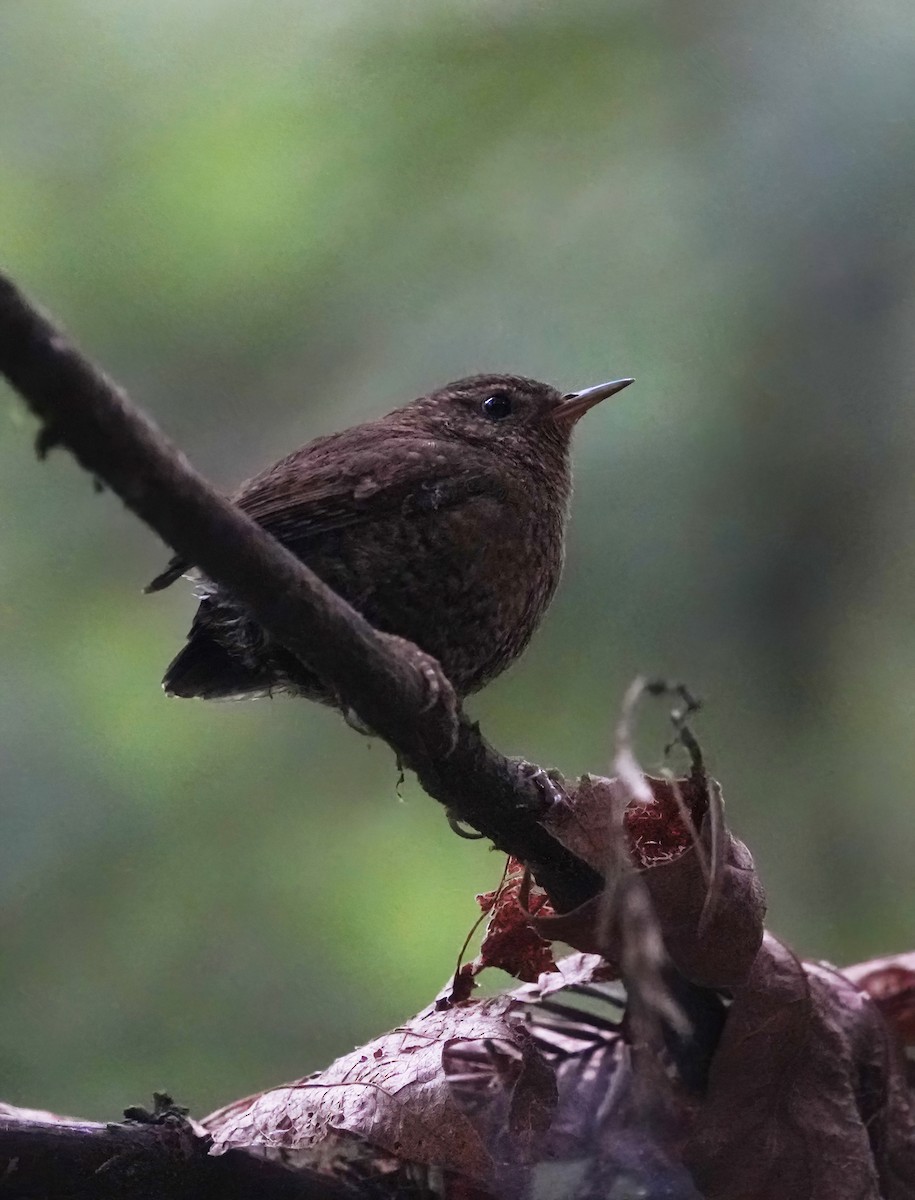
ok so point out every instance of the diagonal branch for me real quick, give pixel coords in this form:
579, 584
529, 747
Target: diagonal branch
83, 410
79, 1160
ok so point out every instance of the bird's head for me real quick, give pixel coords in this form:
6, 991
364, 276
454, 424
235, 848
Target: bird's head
508, 412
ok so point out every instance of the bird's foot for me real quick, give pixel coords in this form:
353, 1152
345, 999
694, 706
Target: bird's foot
549, 782
550, 785
438, 691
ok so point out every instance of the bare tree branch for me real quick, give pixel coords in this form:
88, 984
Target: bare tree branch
85, 1160
83, 410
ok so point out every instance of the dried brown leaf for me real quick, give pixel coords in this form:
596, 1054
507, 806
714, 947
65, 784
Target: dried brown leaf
805, 1098
570, 971
890, 982
506, 1090
504, 1104
511, 942
398, 1094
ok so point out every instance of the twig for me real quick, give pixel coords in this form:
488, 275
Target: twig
626, 901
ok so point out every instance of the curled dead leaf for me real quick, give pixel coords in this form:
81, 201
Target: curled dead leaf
713, 944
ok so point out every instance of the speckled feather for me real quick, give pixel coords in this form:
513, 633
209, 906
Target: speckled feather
437, 523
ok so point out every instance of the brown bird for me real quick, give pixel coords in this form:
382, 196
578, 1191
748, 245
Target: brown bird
442, 522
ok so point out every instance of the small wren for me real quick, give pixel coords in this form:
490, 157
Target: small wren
442, 523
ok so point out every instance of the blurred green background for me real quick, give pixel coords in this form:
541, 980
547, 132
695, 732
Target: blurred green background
270, 221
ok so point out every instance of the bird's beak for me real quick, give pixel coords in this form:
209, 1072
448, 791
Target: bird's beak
576, 404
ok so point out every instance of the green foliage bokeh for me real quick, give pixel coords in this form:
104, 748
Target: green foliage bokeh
270, 221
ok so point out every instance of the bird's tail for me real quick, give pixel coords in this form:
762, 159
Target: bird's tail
176, 568
206, 670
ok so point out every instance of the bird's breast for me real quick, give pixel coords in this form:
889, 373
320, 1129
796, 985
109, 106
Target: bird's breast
476, 580
466, 580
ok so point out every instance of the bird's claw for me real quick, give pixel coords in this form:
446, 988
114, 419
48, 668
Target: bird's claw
438, 690
549, 782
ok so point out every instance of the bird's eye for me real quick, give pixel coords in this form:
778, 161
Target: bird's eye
497, 407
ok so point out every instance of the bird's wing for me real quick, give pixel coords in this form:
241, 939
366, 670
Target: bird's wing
342, 481
297, 504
